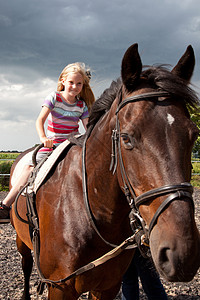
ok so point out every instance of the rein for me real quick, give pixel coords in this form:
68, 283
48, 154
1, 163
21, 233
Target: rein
85, 194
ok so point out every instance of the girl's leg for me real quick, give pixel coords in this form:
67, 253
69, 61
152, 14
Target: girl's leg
20, 182
10, 198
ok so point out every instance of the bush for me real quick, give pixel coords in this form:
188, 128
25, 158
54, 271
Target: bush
5, 167
195, 180
196, 167
8, 155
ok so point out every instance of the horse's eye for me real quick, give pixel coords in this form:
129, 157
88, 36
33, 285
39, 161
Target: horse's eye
127, 141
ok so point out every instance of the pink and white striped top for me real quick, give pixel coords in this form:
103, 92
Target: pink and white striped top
64, 117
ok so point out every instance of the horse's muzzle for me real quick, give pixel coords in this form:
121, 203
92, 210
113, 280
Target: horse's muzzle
176, 249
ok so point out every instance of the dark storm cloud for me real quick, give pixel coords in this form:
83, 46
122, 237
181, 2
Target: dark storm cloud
39, 37
48, 34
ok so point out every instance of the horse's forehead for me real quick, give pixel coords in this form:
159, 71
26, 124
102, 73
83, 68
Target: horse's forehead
170, 119
151, 114
138, 108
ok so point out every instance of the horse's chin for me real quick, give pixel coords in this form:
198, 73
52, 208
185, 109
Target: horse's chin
176, 259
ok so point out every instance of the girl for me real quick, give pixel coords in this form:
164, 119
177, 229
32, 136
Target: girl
63, 109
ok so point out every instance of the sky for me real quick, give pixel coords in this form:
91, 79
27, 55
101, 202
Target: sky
40, 37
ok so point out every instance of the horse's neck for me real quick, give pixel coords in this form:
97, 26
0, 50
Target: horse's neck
107, 202
99, 144
102, 184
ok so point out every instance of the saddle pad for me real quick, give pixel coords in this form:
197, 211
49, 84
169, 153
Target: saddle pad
48, 164
43, 171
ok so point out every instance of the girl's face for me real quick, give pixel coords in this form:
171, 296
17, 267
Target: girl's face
73, 84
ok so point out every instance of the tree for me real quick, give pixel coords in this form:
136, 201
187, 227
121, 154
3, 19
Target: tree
195, 117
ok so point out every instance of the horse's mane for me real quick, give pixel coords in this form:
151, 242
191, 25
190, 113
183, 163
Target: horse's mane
104, 102
159, 77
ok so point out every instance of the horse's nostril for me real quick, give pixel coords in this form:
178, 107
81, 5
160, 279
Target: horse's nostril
166, 262
163, 255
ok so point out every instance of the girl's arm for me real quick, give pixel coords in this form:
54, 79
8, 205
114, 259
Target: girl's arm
85, 121
40, 127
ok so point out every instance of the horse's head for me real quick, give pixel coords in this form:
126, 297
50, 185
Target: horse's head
156, 140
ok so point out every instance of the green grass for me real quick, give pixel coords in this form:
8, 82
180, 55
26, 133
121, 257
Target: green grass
8, 155
4, 188
196, 167
5, 165
195, 180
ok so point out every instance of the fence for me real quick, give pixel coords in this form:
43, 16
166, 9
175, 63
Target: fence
6, 159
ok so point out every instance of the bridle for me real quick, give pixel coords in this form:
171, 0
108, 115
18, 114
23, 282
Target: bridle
177, 191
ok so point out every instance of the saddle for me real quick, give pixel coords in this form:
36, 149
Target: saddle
38, 176
43, 168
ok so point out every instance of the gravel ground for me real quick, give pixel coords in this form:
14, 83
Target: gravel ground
11, 277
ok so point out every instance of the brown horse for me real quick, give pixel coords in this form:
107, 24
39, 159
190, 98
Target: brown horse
146, 114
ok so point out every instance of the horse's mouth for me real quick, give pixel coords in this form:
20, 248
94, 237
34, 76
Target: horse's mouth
176, 260
175, 272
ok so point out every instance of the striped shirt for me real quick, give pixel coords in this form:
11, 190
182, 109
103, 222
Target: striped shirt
64, 117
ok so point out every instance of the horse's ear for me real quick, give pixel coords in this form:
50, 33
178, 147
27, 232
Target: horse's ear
185, 65
131, 67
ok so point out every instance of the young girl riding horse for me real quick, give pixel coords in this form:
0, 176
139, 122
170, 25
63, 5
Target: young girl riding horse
63, 109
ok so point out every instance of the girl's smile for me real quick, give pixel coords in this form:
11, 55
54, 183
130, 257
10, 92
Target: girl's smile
73, 84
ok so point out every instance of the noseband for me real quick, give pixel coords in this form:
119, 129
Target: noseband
177, 191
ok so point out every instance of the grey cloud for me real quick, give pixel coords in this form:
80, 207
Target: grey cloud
39, 37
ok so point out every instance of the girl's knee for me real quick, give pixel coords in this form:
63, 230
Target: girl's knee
28, 168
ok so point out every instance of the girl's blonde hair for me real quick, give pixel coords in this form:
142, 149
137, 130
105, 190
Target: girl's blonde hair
86, 92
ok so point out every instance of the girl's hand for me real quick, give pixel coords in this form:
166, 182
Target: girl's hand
48, 143
85, 121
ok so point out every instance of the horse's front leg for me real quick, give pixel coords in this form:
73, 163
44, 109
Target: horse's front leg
27, 264
62, 292
105, 295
